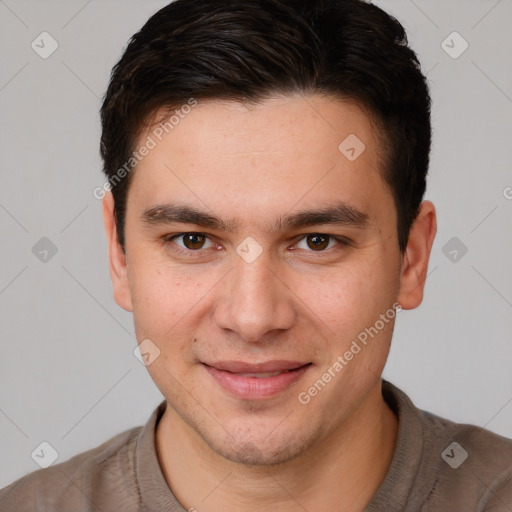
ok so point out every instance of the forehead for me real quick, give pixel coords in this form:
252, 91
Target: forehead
262, 158
276, 124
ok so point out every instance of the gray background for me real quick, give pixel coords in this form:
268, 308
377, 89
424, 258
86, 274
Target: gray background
67, 369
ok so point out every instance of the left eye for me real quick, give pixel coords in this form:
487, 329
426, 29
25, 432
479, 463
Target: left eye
192, 241
317, 242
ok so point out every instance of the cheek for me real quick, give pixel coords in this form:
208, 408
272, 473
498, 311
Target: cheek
163, 298
346, 300
166, 305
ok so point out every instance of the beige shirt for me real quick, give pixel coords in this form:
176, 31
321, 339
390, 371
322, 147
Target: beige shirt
428, 472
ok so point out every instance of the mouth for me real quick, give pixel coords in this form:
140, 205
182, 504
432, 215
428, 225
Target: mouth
256, 381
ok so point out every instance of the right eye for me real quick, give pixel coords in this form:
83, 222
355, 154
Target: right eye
192, 241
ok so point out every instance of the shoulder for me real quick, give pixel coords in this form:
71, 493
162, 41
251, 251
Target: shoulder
480, 444
442, 465
68, 483
474, 463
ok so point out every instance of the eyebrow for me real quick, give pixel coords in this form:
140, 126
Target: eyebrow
172, 214
341, 214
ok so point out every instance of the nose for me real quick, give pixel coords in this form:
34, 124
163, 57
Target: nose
254, 301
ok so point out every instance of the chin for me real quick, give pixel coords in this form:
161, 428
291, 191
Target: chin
260, 453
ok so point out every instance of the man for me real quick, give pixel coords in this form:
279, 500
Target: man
267, 163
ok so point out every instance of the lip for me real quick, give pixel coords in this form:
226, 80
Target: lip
230, 375
264, 367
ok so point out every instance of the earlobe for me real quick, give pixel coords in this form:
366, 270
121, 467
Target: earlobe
117, 258
416, 257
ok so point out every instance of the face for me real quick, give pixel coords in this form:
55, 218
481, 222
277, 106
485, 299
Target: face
258, 251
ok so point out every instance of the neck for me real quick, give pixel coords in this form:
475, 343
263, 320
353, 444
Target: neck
341, 472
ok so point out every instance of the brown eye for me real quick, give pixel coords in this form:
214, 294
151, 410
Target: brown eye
193, 241
317, 242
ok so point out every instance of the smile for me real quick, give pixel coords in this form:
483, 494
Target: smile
256, 382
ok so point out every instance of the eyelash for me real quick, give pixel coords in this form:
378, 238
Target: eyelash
341, 242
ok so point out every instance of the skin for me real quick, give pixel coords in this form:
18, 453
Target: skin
251, 166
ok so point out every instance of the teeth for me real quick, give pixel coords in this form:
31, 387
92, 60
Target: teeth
260, 375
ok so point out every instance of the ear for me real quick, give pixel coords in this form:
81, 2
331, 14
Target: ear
117, 258
416, 256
